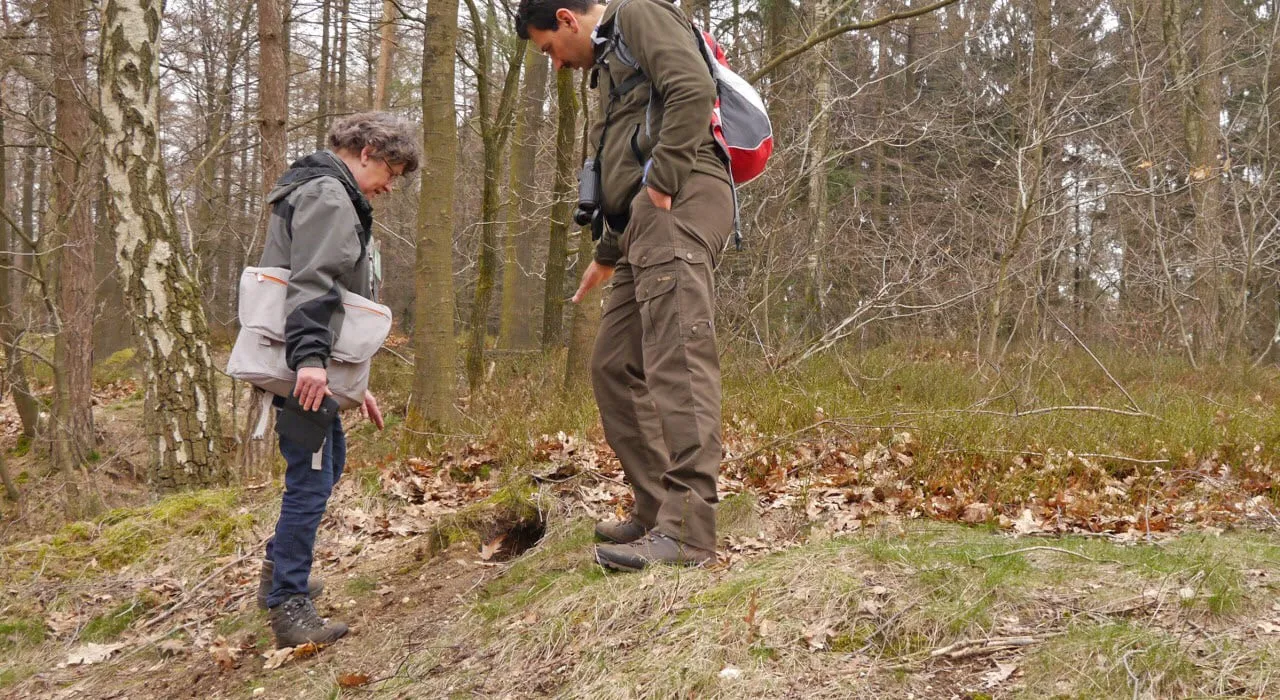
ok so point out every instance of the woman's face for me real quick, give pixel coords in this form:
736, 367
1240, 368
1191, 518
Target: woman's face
376, 175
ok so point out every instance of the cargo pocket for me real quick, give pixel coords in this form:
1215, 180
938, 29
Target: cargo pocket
694, 289
656, 280
674, 294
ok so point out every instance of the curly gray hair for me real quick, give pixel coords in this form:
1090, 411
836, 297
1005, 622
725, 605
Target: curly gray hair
388, 136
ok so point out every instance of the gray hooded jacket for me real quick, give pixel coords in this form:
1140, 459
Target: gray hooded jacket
320, 230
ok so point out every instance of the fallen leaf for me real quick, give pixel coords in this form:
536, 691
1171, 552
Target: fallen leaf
172, 647
1269, 627
998, 675
275, 659
1027, 523
975, 513
90, 654
488, 550
352, 680
306, 650
817, 635
223, 654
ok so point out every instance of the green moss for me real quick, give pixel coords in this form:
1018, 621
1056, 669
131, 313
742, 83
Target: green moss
22, 447
21, 632
119, 366
111, 624
362, 585
14, 674
1092, 661
125, 535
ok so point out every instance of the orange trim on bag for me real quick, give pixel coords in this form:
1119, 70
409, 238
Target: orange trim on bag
277, 280
367, 308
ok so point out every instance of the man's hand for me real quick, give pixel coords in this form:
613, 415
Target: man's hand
369, 409
312, 387
595, 275
660, 200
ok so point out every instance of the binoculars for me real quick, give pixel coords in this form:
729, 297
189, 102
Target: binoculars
588, 193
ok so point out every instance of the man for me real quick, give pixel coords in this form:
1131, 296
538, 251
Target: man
321, 230
667, 202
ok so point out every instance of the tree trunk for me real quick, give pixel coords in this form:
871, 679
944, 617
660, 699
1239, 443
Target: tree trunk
27, 405
585, 323
273, 107
345, 22
6, 297
433, 305
322, 93
495, 128
519, 283
819, 144
557, 248
181, 398
386, 53
73, 158
1212, 334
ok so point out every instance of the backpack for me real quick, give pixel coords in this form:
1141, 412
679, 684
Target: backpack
739, 121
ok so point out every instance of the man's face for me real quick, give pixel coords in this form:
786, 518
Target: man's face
569, 44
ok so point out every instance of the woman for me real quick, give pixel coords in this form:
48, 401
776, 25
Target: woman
320, 230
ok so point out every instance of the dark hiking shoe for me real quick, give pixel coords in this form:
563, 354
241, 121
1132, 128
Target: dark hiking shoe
654, 548
314, 585
295, 622
624, 532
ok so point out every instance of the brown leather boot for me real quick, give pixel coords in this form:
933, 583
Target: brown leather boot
314, 585
653, 548
624, 532
295, 622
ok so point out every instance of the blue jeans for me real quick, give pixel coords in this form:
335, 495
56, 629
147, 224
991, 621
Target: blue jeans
306, 493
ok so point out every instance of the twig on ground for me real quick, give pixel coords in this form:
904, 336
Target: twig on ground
186, 597
969, 648
1096, 360
1043, 548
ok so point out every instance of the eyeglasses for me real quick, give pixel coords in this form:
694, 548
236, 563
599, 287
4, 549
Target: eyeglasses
391, 172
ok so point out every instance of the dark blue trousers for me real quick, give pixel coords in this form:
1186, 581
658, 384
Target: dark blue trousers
306, 493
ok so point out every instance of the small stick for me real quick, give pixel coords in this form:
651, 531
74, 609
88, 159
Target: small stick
1046, 549
186, 597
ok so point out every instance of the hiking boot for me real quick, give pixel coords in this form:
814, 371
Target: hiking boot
295, 622
624, 532
314, 585
653, 548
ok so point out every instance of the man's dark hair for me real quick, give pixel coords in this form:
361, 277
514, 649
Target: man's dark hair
541, 14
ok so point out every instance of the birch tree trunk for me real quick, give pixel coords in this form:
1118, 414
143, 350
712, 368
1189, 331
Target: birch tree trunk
181, 404
819, 145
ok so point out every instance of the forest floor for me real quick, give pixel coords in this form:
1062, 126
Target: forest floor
901, 523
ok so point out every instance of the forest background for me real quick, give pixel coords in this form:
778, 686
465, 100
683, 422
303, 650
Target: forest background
1013, 265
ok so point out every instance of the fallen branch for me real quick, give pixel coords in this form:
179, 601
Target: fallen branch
186, 597
978, 647
1043, 548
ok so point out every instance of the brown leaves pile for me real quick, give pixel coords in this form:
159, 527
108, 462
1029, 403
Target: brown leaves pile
842, 481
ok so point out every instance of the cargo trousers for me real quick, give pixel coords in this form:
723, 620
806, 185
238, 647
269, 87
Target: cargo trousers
655, 368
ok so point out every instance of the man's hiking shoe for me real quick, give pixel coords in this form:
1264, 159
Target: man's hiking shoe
314, 585
624, 532
295, 622
653, 548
